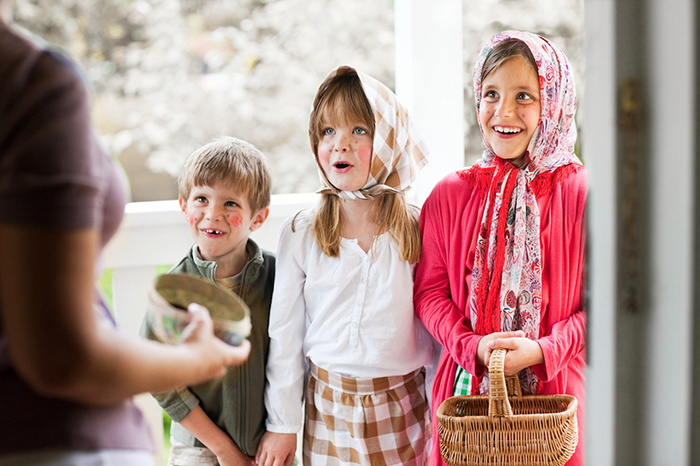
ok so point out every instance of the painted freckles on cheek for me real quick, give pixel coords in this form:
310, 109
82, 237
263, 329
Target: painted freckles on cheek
366, 154
235, 221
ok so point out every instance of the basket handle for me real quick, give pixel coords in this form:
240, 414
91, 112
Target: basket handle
499, 405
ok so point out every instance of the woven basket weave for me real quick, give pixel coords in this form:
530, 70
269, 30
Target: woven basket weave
498, 429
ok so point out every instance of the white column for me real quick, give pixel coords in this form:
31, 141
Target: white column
598, 147
671, 58
430, 80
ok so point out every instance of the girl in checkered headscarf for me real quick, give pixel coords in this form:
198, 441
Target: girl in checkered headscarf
342, 315
503, 241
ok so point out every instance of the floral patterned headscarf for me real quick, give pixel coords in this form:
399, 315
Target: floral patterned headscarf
506, 291
398, 149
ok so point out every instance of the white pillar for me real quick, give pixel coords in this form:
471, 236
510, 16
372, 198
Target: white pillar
430, 82
670, 43
598, 147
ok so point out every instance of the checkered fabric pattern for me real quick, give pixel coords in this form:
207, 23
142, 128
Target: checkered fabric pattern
463, 382
364, 421
399, 150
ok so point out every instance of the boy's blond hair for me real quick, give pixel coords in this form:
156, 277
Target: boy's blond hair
345, 100
232, 162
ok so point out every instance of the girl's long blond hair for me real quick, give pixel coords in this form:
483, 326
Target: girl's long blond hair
390, 214
344, 99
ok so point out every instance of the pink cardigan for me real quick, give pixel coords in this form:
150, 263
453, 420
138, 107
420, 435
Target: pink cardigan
450, 221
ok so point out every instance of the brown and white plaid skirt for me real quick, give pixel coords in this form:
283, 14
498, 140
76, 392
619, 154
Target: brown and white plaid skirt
366, 421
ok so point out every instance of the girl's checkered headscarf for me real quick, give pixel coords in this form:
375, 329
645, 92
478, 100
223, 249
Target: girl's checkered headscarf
398, 149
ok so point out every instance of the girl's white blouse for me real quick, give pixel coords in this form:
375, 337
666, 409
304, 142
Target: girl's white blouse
351, 314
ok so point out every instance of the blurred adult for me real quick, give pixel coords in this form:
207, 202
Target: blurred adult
66, 374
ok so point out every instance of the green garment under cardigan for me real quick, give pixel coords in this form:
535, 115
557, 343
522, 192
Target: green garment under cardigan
234, 402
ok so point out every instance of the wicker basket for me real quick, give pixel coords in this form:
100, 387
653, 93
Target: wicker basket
489, 430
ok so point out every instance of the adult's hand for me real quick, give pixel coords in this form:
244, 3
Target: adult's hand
199, 336
54, 339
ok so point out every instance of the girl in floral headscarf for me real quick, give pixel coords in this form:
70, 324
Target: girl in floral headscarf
343, 300
503, 241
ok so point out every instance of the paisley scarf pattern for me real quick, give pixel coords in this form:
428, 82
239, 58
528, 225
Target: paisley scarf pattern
506, 292
398, 149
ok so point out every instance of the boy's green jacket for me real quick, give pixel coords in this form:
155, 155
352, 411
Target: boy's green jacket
234, 402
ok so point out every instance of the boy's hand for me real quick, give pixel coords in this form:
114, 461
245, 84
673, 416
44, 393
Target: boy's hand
276, 449
214, 354
522, 353
219, 442
233, 457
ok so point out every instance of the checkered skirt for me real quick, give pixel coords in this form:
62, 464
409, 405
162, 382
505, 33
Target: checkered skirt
366, 421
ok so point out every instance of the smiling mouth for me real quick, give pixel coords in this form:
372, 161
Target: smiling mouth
503, 130
213, 232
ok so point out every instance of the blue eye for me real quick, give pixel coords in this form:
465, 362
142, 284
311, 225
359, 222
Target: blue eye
359, 130
328, 131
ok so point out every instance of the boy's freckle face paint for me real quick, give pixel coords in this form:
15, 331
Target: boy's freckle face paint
219, 222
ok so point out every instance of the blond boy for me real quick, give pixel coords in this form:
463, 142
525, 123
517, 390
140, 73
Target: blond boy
224, 193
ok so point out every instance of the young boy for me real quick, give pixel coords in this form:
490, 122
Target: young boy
224, 192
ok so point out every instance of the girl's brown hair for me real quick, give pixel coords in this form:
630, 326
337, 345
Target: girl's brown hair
341, 101
504, 51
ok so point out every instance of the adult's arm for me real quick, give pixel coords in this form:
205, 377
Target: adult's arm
179, 402
55, 341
